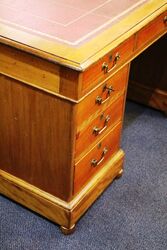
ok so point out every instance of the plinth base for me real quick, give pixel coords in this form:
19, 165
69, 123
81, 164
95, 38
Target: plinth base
64, 213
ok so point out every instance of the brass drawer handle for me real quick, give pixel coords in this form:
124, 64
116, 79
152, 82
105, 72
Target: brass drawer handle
165, 20
98, 131
95, 162
99, 99
105, 65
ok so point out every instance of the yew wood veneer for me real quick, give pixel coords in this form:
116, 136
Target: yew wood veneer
62, 107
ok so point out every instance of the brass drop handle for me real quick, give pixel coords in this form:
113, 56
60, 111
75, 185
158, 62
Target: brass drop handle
105, 66
98, 131
99, 99
165, 20
95, 162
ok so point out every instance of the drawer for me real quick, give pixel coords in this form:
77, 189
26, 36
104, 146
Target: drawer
86, 136
97, 101
107, 65
151, 31
97, 157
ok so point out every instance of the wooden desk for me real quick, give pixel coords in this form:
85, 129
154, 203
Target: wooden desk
64, 68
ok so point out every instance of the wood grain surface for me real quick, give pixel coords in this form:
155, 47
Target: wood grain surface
29, 69
39, 73
36, 138
96, 186
88, 108
151, 31
64, 213
84, 168
34, 198
86, 137
95, 73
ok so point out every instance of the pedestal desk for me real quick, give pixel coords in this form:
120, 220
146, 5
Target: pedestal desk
64, 69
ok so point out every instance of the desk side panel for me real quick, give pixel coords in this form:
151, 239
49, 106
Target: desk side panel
36, 137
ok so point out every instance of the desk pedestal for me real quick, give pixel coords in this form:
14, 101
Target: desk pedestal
148, 77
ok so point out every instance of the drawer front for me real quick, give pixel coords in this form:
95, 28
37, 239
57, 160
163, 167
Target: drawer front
107, 65
151, 31
97, 157
102, 97
86, 136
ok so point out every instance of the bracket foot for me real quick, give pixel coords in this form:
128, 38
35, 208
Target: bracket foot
67, 231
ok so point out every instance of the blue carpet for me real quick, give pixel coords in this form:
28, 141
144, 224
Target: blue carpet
131, 214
